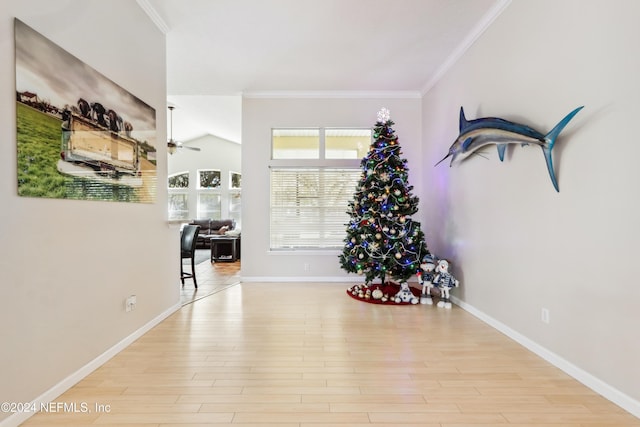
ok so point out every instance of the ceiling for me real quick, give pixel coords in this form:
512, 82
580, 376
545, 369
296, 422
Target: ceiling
219, 50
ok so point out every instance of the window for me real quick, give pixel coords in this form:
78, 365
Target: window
235, 207
208, 178
308, 206
179, 180
347, 143
235, 180
178, 196
235, 198
310, 194
209, 197
295, 144
178, 206
209, 205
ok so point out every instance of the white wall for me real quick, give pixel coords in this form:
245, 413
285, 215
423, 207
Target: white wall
516, 244
260, 115
67, 266
215, 153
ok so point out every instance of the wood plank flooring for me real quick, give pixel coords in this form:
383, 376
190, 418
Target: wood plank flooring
307, 355
212, 277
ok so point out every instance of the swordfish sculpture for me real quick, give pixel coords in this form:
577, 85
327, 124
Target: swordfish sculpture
478, 133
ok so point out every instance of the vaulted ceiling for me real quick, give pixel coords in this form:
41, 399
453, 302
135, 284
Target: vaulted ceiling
218, 50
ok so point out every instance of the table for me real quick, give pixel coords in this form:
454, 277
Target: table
225, 248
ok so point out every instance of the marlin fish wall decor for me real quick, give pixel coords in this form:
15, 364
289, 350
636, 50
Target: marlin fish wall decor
478, 133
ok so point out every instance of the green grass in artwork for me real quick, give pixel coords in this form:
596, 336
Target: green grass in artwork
38, 138
38, 151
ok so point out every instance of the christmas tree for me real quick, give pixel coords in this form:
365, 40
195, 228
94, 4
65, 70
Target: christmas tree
382, 240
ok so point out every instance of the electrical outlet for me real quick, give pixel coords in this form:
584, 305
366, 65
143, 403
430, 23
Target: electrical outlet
130, 303
307, 267
544, 315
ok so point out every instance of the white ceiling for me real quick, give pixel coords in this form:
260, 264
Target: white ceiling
218, 50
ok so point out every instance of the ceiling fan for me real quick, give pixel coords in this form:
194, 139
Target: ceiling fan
173, 145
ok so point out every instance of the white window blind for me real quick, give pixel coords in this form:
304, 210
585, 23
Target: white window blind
309, 206
178, 205
235, 207
209, 205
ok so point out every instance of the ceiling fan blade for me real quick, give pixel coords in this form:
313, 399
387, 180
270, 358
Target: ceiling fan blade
172, 144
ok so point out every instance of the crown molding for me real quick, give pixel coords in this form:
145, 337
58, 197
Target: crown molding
153, 14
462, 48
333, 94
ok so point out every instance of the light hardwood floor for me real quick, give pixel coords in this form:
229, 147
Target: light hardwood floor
211, 277
308, 355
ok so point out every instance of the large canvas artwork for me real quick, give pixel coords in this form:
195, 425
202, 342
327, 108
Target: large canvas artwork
79, 134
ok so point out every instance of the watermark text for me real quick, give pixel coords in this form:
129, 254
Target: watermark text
53, 407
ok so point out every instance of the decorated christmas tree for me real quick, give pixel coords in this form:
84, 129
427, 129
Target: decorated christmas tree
382, 240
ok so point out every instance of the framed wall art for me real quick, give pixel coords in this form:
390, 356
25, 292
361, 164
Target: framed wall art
79, 134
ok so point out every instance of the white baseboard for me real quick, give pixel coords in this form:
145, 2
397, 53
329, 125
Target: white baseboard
50, 395
614, 395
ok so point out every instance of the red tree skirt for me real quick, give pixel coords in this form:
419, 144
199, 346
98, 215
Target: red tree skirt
382, 294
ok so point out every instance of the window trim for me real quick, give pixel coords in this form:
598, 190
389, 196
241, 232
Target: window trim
320, 163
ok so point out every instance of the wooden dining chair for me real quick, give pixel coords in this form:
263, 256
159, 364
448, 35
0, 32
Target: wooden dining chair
188, 240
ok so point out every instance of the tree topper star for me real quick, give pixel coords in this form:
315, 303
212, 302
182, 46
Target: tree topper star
384, 115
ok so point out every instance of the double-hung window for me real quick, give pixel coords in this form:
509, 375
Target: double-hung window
209, 197
178, 185
313, 175
235, 197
